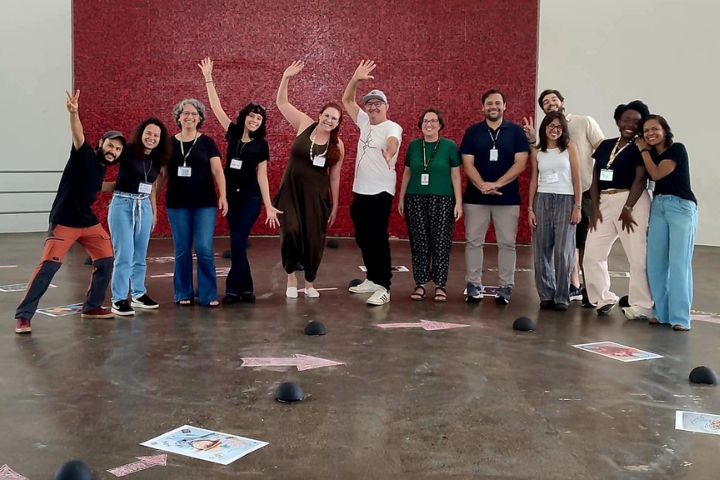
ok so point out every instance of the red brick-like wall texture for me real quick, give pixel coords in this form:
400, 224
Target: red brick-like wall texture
137, 58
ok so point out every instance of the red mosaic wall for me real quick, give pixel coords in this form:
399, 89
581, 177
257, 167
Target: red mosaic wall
134, 59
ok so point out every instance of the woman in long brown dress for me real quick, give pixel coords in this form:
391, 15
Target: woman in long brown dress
310, 187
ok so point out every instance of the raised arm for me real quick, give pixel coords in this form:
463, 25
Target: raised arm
206, 66
335, 184
297, 119
362, 72
76, 128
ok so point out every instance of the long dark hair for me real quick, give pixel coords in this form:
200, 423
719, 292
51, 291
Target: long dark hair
334, 148
252, 108
161, 153
564, 139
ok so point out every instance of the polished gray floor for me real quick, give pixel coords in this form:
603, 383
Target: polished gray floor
476, 402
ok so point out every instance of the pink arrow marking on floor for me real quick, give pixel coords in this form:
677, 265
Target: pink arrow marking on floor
302, 362
7, 473
143, 464
425, 325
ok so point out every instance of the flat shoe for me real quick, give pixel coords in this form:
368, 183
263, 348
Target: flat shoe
654, 321
291, 292
312, 293
680, 328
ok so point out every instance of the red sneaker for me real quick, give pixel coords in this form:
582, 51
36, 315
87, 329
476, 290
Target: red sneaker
98, 312
22, 326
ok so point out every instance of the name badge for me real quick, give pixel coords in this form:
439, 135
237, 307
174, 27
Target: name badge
550, 177
184, 171
606, 174
145, 187
651, 185
319, 161
236, 163
493, 154
424, 179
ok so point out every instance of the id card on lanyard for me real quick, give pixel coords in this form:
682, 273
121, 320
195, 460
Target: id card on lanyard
184, 170
493, 149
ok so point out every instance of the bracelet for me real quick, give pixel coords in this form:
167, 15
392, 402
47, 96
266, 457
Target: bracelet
209, 81
530, 210
645, 150
578, 206
628, 208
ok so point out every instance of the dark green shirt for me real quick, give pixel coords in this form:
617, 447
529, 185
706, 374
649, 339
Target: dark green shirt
439, 165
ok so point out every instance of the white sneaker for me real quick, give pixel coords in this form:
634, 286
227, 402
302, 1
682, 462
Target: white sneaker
380, 297
366, 287
633, 313
312, 293
291, 292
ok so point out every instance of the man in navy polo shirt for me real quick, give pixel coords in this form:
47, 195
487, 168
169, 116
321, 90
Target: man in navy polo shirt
494, 154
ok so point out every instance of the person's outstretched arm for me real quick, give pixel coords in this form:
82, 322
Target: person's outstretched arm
362, 72
297, 119
206, 66
76, 128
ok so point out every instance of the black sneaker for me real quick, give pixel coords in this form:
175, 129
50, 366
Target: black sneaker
547, 305
576, 294
144, 302
247, 297
586, 300
605, 309
561, 307
122, 308
503, 295
230, 298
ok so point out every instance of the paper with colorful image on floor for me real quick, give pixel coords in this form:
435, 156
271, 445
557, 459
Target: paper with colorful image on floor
208, 445
617, 351
18, 287
697, 422
62, 310
394, 268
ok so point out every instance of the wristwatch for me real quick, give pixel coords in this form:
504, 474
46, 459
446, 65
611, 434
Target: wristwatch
628, 208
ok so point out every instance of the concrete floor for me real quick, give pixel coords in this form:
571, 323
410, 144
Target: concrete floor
478, 402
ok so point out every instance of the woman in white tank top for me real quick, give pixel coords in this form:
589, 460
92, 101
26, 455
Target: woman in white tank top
554, 210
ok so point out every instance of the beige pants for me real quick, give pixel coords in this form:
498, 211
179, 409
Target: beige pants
600, 241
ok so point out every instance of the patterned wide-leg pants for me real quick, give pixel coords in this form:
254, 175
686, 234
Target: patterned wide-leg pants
431, 221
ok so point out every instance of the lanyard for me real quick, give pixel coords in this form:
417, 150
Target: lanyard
182, 148
615, 152
426, 162
494, 139
146, 171
241, 146
312, 148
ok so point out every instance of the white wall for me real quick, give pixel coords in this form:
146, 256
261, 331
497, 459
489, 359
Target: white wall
35, 70
603, 53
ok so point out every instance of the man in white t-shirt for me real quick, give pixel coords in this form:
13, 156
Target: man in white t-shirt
374, 185
586, 134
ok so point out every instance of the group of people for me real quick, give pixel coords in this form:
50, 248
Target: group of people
579, 182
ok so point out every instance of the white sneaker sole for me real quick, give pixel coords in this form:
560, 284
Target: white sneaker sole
143, 306
115, 312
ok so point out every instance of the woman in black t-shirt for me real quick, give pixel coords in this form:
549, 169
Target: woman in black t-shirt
132, 214
246, 183
194, 172
620, 209
673, 220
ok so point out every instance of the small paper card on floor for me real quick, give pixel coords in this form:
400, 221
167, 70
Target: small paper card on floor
216, 447
697, 422
617, 351
18, 287
394, 268
705, 317
62, 310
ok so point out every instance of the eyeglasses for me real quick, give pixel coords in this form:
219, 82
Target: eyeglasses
555, 128
374, 104
190, 114
431, 121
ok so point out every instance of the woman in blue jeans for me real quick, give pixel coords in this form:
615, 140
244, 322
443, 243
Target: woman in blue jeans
246, 183
193, 173
133, 214
673, 219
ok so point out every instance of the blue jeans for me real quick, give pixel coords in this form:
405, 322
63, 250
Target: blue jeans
193, 226
244, 211
671, 240
130, 222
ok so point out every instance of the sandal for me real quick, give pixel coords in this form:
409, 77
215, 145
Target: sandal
440, 294
654, 321
680, 328
186, 302
419, 293
213, 304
